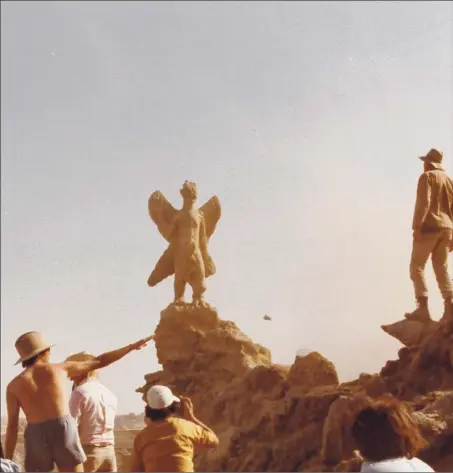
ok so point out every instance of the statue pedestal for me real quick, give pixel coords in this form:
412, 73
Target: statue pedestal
188, 316
180, 329
194, 347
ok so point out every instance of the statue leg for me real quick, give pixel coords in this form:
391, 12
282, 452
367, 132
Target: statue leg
180, 287
198, 284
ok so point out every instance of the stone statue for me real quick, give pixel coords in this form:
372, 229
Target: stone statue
187, 231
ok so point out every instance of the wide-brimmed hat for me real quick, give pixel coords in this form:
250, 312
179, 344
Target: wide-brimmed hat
29, 345
433, 157
81, 356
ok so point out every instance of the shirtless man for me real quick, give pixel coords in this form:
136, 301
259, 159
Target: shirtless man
51, 435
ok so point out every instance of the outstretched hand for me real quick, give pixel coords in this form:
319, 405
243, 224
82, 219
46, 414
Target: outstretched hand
142, 343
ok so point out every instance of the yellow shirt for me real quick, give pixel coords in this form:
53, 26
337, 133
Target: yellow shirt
168, 445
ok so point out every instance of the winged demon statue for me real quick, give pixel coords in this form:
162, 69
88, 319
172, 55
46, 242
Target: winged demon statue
187, 231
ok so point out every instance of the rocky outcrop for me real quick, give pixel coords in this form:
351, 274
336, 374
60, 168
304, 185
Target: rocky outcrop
292, 418
410, 332
424, 368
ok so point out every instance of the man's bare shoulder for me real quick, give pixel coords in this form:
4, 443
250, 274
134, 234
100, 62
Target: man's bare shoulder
15, 383
38, 371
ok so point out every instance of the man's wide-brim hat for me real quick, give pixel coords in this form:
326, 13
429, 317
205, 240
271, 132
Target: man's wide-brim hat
29, 345
433, 157
82, 356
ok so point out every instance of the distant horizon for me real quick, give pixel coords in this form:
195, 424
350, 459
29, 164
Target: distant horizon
305, 118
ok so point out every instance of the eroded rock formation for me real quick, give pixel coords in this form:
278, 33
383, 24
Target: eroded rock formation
293, 418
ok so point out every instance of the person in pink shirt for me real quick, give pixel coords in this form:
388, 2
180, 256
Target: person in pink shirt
94, 407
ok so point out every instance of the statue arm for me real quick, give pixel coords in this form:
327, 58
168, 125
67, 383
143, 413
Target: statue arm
169, 228
209, 266
203, 237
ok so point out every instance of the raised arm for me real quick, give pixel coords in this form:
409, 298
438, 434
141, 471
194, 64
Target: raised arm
79, 368
206, 436
12, 429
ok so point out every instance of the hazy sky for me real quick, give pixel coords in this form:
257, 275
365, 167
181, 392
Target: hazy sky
306, 119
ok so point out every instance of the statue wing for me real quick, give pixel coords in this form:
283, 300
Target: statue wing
162, 213
211, 212
164, 268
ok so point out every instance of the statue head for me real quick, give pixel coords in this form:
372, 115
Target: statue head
189, 191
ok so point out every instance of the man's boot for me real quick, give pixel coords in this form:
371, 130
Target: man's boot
421, 312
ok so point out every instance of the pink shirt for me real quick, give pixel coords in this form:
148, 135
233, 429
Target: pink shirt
94, 406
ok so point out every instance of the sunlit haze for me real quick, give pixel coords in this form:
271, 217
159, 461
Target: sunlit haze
306, 119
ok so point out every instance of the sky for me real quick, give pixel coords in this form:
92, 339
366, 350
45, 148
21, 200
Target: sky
306, 120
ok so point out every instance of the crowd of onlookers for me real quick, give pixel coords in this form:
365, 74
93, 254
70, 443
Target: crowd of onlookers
78, 434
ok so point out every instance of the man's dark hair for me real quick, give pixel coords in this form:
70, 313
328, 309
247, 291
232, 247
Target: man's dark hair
31, 361
161, 414
385, 429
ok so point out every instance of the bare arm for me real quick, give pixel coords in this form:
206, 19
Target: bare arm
197, 421
422, 202
12, 429
79, 368
209, 438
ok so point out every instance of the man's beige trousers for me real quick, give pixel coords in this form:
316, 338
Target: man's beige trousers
100, 458
438, 245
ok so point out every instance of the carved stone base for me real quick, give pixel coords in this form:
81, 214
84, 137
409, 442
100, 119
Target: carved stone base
185, 315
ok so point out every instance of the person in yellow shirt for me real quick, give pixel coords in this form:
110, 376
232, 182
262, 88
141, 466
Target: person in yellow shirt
167, 443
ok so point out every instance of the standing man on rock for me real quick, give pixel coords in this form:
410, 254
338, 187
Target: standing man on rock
51, 435
433, 235
94, 406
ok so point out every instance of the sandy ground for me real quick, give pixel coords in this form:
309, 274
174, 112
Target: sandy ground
123, 439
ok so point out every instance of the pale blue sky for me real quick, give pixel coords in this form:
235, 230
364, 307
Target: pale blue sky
304, 118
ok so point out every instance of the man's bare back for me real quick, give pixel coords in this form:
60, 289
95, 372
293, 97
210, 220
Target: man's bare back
40, 392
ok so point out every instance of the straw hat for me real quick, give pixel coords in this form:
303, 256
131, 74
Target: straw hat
81, 356
434, 157
29, 345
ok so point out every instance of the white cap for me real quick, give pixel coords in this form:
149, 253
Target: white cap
160, 397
